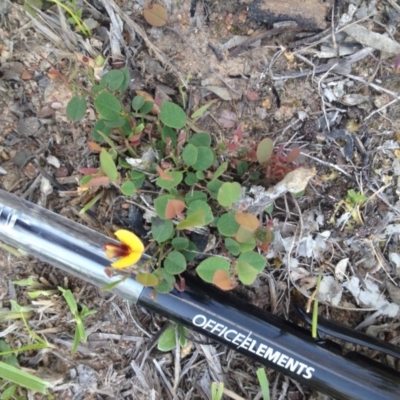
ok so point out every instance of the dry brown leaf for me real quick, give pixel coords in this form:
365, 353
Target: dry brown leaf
155, 15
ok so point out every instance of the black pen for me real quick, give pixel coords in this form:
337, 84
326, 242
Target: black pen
270, 340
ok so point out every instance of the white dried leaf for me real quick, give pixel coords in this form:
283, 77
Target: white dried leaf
330, 291
396, 166
2, 171
340, 269
302, 115
292, 262
134, 162
395, 259
298, 273
45, 187
392, 229
54, 161
353, 99
320, 221
370, 296
306, 246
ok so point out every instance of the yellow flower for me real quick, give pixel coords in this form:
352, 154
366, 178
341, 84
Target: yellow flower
129, 251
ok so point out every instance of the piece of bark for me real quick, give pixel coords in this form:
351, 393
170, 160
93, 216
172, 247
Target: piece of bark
309, 14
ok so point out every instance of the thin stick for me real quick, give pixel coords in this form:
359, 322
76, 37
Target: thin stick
328, 164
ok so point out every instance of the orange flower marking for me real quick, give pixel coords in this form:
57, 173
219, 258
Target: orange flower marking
129, 251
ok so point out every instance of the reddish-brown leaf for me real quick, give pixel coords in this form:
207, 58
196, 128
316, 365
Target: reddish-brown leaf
293, 155
222, 280
174, 208
88, 171
163, 174
98, 181
93, 146
247, 221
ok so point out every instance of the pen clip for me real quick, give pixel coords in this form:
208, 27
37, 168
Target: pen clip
350, 335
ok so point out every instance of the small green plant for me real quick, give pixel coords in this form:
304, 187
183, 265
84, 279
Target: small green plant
11, 376
79, 316
167, 340
197, 184
217, 390
351, 205
69, 6
264, 384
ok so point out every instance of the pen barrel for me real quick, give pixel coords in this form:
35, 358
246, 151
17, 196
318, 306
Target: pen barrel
274, 342
264, 337
60, 242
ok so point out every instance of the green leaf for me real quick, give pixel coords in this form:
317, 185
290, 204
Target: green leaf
195, 195
244, 235
269, 209
176, 176
297, 195
76, 108
190, 154
229, 193
147, 107
355, 198
137, 103
232, 246
264, 150
116, 123
128, 188
96, 89
247, 246
35, 3
247, 274
220, 170
138, 178
200, 205
264, 384
209, 266
113, 79
198, 113
191, 179
165, 287
100, 126
161, 229
108, 165
242, 168
172, 115
205, 158
175, 263
147, 279
196, 218
168, 132
227, 224
191, 252
257, 261
201, 139
23, 379
214, 186
160, 204
127, 80
167, 341
108, 106
180, 243
200, 175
